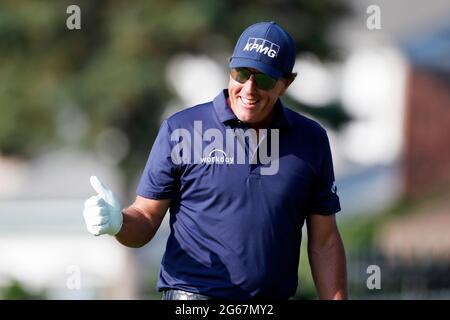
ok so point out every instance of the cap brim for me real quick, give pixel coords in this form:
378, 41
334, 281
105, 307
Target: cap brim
258, 65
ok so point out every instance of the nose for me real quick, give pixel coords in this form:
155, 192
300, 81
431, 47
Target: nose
250, 85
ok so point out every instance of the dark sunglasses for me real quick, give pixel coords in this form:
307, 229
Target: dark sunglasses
262, 80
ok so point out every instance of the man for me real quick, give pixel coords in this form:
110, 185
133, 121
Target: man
236, 213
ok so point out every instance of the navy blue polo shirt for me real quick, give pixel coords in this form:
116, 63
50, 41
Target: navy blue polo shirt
235, 231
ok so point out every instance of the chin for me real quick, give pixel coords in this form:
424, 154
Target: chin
246, 117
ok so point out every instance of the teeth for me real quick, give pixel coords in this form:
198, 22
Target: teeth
247, 101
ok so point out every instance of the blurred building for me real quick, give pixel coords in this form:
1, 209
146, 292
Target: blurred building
425, 231
427, 131
408, 143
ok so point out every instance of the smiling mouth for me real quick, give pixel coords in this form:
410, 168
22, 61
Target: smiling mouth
248, 102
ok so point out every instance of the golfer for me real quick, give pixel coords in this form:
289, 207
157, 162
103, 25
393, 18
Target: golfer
239, 175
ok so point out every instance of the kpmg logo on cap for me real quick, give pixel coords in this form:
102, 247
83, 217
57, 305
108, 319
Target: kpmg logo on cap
262, 46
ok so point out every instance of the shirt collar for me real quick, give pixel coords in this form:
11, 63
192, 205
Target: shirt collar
225, 114
222, 108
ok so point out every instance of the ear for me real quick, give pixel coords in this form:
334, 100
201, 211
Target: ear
286, 83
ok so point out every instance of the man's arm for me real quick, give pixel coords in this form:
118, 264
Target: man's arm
141, 220
327, 257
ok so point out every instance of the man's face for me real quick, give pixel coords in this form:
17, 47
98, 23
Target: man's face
253, 105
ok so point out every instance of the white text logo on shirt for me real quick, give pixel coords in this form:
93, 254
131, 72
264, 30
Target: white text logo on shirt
217, 156
232, 146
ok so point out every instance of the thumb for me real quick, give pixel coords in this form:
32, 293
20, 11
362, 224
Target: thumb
104, 192
98, 186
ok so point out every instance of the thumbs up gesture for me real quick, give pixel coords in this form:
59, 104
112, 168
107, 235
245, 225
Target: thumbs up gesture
102, 213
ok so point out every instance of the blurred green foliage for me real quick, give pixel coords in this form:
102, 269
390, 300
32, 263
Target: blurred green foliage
15, 290
358, 234
359, 231
112, 71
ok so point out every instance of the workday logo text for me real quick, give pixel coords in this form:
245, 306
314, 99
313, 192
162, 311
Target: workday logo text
217, 156
236, 146
261, 45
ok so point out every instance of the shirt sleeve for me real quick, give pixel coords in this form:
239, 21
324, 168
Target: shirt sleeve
324, 200
159, 178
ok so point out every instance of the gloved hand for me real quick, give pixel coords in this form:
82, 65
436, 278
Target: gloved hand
102, 213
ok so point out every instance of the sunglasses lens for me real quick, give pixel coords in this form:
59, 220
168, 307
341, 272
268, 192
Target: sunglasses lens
240, 75
263, 81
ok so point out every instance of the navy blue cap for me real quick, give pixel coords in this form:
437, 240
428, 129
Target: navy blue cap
267, 47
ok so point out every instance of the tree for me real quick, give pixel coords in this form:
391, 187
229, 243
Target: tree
112, 70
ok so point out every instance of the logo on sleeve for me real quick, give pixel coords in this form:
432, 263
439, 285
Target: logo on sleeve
334, 188
263, 46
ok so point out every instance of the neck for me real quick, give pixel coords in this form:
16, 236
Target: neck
263, 124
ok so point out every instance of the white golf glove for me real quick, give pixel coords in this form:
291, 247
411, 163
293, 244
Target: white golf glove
102, 213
